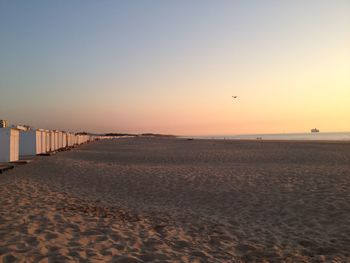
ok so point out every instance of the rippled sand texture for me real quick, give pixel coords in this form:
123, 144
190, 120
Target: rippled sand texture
173, 200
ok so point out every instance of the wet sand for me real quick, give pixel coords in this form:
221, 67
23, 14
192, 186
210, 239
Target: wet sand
174, 200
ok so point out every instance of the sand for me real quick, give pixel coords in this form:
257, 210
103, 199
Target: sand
173, 200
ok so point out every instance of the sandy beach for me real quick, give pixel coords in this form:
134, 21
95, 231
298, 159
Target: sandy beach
175, 200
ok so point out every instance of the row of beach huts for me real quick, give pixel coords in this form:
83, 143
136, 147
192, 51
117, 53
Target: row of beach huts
21, 142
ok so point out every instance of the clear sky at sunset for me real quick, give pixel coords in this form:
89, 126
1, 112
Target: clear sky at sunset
172, 66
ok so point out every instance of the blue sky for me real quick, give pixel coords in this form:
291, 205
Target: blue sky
172, 66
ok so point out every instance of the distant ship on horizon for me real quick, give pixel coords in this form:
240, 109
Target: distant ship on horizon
315, 130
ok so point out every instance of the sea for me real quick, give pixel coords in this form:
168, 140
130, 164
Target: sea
319, 136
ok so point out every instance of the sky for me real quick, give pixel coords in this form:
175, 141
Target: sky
172, 66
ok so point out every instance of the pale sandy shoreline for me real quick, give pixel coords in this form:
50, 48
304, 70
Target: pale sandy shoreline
173, 200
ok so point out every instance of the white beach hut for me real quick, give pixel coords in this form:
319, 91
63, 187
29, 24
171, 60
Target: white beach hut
9, 145
64, 139
48, 141
70, 139
30, 142
52, 141
60, 140
43, 141
55, 134
75, 139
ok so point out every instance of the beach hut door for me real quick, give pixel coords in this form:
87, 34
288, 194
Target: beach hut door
14, 146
